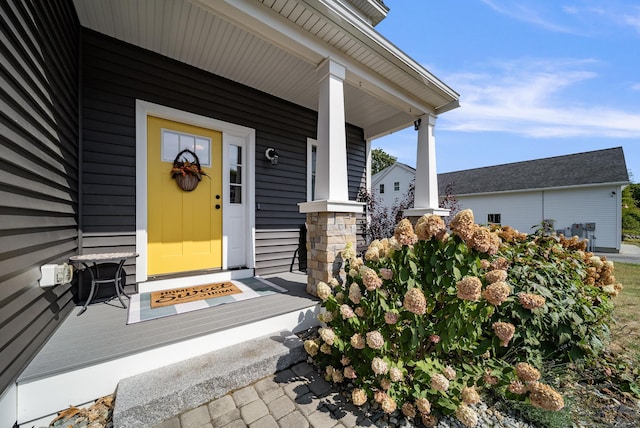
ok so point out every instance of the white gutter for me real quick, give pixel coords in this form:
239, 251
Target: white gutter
542, 189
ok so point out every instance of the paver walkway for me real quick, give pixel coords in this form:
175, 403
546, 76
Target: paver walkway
294, 398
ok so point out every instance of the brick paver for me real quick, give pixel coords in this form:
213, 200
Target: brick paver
265, 422
253, 411
245, 395
268, 389
321, 418
195, 418
294, 419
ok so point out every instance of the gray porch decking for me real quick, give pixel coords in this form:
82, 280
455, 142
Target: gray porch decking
101, 333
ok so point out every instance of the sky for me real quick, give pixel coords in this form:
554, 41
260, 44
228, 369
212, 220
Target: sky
536, 78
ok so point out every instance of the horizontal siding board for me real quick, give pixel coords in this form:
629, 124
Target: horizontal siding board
10, 199
108, 241
25, 220
277, 251
34, 238
281, 262
24, 184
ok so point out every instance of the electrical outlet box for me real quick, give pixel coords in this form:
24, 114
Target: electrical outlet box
56, 274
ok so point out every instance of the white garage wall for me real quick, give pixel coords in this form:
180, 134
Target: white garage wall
589, 205
600, 205
518, 210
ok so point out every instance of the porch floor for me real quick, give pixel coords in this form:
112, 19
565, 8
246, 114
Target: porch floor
101, 333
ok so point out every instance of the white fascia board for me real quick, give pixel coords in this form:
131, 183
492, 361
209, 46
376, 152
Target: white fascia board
544, 189
269, 25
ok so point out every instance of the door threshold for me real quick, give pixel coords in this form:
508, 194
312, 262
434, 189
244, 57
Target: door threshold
191, 279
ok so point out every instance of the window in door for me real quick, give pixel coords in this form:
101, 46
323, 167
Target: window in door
235, 174
174, 142
312, 155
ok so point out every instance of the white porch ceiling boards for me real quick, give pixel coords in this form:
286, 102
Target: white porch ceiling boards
275, 46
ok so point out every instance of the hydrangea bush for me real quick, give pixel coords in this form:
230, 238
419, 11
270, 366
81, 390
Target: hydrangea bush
428, 319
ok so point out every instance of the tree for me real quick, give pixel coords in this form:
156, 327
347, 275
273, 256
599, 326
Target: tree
631, 209
380, 160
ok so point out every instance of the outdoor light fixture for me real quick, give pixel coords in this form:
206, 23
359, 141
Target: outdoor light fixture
613, 193
416, 124
272, 155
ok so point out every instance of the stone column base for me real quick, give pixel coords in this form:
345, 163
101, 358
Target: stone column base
327, 234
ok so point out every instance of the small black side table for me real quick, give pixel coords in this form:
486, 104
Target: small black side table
96, 279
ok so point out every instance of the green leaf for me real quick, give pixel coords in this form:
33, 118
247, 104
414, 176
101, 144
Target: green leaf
413, 267
564, 338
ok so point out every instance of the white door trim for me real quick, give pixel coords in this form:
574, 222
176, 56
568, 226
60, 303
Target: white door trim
144, 109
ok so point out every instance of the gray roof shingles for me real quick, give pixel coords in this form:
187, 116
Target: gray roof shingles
580, 169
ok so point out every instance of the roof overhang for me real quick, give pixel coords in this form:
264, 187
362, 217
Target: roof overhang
276, 46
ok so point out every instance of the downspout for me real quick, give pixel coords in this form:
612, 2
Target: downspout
542, 219
80, 150
618, 199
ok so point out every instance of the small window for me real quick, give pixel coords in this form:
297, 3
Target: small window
494, 218
235, 174
382, 188
312, 157
396, 186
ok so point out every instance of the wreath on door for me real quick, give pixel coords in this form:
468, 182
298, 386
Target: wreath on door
187, 173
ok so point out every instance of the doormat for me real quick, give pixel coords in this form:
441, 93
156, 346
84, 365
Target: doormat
192, 294
140, 307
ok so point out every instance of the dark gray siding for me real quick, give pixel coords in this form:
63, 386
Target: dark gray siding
38, 169
115, 74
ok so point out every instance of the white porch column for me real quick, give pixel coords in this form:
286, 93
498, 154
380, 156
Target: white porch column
332, 139
426, 184
331, 219
332, 185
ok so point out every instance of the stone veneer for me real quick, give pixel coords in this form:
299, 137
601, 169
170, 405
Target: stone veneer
327, 234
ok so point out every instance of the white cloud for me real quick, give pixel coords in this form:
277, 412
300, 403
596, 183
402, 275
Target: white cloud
583, 17
529, 12
530, 97
635, 87
632, 19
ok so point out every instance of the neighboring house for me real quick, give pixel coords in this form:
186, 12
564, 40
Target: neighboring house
581, 194
99, 96
392, 183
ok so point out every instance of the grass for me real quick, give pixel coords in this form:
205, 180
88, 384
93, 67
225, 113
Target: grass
626, 330
635, 242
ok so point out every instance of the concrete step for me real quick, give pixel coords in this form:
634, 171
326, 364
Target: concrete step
155, 396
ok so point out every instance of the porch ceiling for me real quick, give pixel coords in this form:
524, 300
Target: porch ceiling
275, 46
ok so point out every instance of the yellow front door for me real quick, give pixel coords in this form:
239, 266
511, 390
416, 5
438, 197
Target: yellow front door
184, 228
